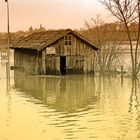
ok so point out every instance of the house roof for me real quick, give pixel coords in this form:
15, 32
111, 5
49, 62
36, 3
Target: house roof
40, 40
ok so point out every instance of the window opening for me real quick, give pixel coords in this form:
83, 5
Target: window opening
68, 40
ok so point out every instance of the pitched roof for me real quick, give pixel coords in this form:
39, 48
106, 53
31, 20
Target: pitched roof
40, 40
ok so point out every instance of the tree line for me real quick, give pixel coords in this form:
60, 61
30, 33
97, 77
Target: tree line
109, 37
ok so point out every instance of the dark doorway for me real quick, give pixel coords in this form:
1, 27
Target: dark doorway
63, 65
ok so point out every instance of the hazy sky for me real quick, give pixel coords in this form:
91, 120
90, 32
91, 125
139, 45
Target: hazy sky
52, 14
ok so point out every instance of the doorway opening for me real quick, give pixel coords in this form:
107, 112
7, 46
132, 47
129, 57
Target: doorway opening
63, 65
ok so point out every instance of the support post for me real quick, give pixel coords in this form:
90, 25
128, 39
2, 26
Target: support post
8, 47
121, 71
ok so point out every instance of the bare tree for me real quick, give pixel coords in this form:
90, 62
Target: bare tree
107, 56
127, 12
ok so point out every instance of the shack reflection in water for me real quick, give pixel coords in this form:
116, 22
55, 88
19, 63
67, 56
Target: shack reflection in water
65, 94
77, 107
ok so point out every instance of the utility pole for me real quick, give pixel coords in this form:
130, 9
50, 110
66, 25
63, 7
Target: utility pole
8, 48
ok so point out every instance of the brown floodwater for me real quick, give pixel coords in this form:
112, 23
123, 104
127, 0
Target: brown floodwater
76, 107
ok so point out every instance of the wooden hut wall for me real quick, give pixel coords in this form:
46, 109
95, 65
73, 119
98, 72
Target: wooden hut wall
27, 61
79, 57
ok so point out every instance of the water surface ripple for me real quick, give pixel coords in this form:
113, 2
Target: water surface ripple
76, 107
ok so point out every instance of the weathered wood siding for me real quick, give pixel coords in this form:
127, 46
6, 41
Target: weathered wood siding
79, 57
27, 62
52, 65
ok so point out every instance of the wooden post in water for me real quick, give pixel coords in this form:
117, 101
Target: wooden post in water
7, 74
121, 71
8, 51
122, 75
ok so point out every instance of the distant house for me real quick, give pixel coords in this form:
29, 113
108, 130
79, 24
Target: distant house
124, 55
3, 54
54, 52
3, 49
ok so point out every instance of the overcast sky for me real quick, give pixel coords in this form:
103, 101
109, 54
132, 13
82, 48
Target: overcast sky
52, 14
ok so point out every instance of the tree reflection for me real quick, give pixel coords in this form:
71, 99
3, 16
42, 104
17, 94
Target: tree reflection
134, 107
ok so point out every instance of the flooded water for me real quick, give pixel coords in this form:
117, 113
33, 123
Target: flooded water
76, 107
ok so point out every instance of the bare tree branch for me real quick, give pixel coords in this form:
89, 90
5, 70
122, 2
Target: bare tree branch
127, 12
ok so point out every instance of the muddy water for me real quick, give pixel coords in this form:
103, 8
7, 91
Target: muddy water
77, 107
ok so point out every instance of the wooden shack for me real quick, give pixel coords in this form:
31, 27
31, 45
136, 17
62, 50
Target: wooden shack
54, 52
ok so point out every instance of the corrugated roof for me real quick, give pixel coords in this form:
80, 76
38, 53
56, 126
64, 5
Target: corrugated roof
40, 40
